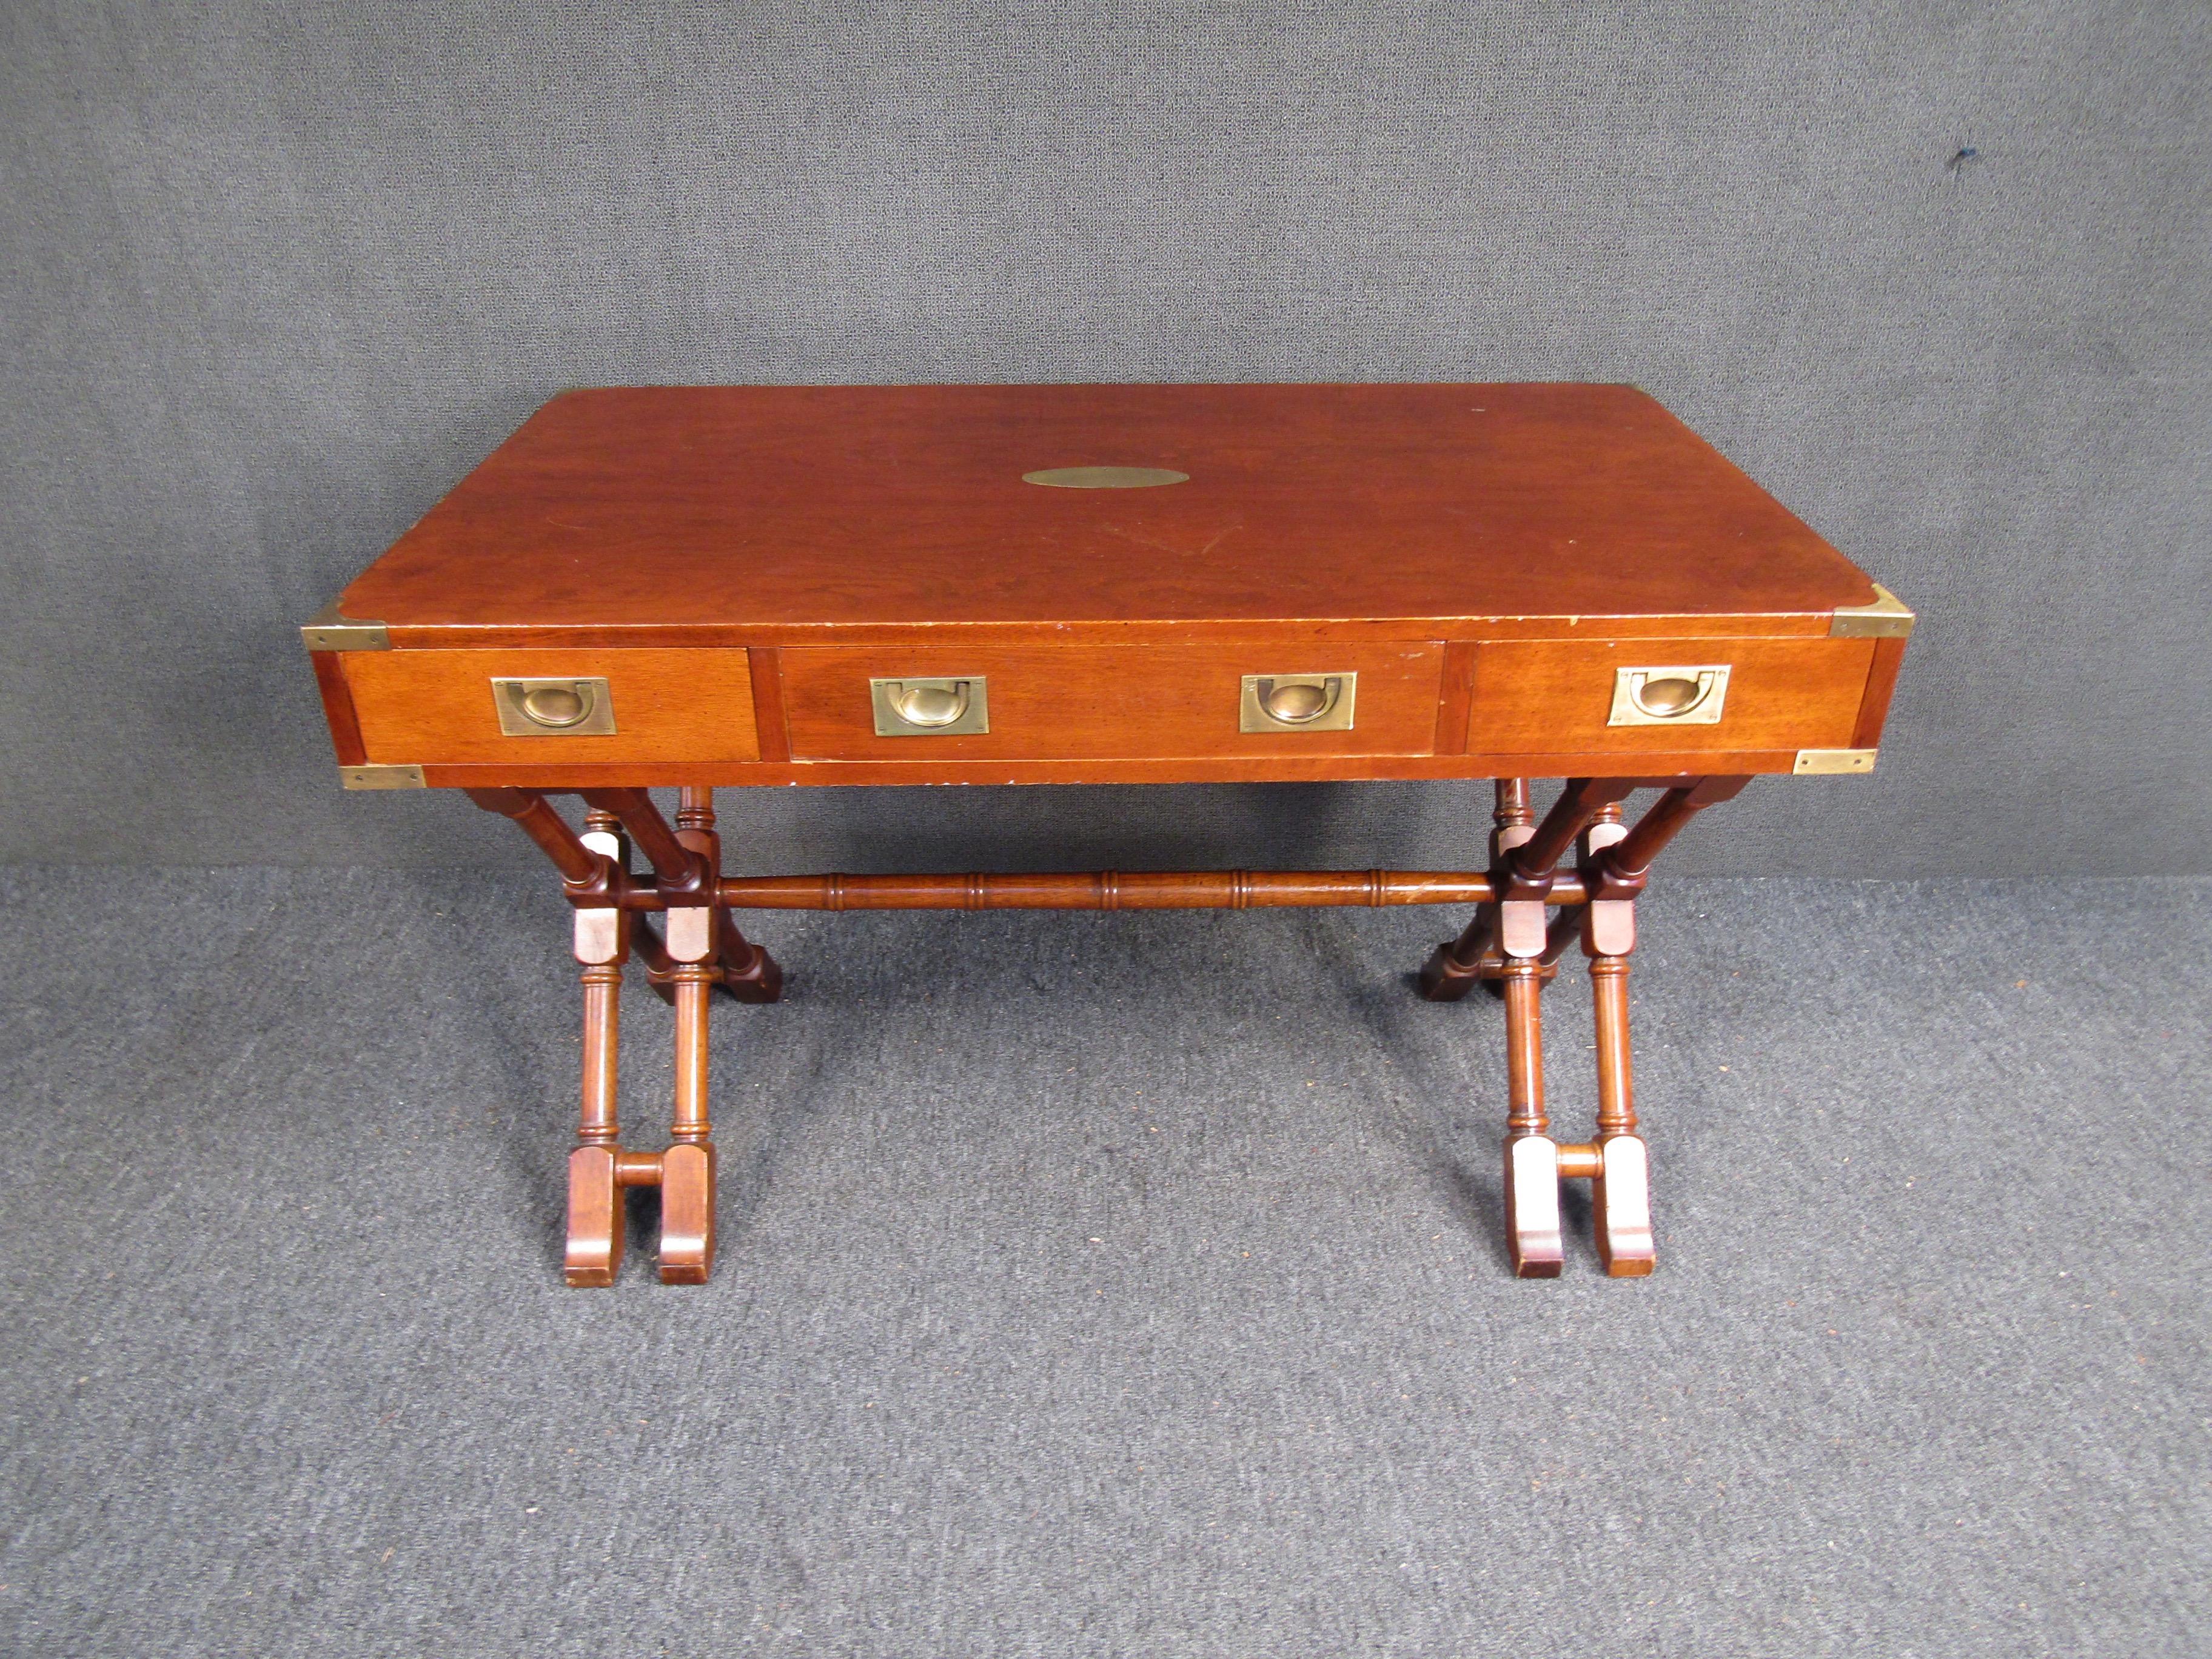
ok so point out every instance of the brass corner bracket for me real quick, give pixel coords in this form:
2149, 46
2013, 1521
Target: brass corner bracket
380, 777
1887, 618
1833, 763
326, 630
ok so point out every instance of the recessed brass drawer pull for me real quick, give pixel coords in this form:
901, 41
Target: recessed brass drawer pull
553, 708
930, 709
1297, 703
1670, 697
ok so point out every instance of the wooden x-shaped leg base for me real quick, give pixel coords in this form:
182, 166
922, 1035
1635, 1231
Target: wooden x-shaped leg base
1511, 945
697, 949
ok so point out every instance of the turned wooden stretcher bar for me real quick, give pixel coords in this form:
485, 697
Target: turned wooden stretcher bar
699, 586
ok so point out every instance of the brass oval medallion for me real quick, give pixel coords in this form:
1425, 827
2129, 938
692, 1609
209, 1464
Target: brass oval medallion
1104, 478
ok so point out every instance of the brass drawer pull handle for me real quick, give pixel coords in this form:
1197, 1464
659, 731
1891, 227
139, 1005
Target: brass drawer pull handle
930, 705
1300, 703
940, 707
1673, 697
1670, 697
553, 708
1297, 703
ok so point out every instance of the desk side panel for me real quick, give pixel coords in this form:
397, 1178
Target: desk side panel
1881, 684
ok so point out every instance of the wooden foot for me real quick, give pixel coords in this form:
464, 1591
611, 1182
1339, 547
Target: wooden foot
687, 1214
1620, 1206
1532, 1206
595, 1219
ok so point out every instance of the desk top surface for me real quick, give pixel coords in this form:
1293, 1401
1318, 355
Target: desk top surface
784, 508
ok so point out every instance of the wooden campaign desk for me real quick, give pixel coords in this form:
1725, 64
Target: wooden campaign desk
695, 586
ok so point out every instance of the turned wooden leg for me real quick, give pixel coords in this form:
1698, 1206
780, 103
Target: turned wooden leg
1457, 964
1532, 1158
687, 1169
594, 1249
1620, 1185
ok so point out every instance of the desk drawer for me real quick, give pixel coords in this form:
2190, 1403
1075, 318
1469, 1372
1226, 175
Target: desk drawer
1111, 702
1532, 696
441, 707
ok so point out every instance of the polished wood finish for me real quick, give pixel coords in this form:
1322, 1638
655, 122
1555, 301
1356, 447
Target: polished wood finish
435, 706
1360, 511
687, 1169
1619, 870
745, 971
701, 950
1544, 696
338, 707
737, 564
1523, 861
596, 1223
1612, 869
1456, 698
770, 730
738, 561
1527, 868
1285, 768
1881, 682
704, 944
1525, 1114
1620, 1208
538, 820
1082, 703
1113, 890
682, 874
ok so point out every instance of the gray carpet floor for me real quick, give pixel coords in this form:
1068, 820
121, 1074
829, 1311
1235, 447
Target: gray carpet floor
1103, 1286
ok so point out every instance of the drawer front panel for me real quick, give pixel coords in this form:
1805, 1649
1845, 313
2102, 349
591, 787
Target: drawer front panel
1111, 702
440, 707
1569, 695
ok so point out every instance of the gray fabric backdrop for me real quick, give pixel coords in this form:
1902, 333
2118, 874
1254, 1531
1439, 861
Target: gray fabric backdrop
271, 278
